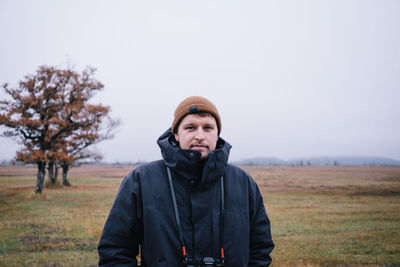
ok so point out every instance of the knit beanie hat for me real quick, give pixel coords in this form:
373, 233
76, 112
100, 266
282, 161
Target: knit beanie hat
193, 105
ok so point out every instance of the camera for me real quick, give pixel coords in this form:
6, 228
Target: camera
203, 261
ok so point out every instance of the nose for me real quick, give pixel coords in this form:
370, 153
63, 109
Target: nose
200, 134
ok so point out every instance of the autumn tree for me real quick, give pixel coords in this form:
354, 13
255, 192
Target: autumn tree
45, 110
74, 149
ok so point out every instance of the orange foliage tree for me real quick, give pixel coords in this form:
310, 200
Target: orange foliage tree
73, 149
48, 112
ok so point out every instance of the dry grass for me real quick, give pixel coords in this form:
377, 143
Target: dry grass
60, 227
328, 216
321, 216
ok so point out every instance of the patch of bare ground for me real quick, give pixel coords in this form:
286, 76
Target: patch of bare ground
353, 190
378, 192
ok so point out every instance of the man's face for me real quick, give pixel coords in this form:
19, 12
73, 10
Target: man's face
199, 133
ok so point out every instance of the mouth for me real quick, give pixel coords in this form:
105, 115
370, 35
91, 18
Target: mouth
195, 147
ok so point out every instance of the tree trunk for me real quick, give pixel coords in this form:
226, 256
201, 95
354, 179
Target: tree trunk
64, 175
50, 169
55, 172
40, 177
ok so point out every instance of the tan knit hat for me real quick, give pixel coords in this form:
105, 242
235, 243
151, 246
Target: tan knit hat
192, 105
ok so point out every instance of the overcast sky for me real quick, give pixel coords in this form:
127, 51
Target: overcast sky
290, 78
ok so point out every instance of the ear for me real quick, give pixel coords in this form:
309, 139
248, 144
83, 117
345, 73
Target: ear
176, 137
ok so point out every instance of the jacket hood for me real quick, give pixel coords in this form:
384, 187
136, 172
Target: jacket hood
188, 163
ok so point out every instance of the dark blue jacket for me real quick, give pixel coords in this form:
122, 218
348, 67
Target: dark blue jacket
143, 213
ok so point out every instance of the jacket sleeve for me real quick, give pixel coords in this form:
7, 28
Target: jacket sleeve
122, 234
261, 244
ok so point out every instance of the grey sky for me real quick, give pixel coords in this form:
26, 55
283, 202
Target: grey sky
290, 78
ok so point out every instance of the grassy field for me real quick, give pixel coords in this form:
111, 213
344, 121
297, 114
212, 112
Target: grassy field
321, 216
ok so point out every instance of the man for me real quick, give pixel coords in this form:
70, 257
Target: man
192, 208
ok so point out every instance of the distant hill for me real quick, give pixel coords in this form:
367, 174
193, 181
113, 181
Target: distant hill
344, 161
261, 161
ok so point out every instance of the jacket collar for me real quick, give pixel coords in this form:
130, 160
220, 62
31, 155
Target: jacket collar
188, 163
